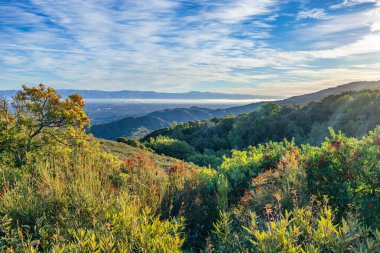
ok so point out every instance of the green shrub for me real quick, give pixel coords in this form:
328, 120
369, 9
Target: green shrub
347, 170
171, 147
131, 142
243, 166
309, 229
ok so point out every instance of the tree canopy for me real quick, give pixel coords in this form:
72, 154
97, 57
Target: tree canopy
38, 116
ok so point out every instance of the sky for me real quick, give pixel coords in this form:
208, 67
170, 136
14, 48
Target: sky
263, 47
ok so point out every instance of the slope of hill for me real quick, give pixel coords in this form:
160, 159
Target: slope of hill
127, 126
152, 121
161, 119
74, 193
124, 151
354, 113
317, 96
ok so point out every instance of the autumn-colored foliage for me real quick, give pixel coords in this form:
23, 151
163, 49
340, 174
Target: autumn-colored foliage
37, 117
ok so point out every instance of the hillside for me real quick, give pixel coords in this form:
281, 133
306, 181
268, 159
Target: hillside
76, 193
88, 201
124, 151
127, 126
353, 113
317, 96
162, 119
152, 121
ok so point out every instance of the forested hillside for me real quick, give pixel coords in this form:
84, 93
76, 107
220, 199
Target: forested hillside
153, 121
353, 113
165, 118
64, 191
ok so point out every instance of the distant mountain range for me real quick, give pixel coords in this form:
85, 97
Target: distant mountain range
127, 94
317, 96
164, 118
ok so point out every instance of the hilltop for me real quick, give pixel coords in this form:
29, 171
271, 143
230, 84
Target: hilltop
164, 118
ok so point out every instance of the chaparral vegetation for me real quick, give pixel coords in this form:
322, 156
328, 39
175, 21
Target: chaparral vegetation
281, 179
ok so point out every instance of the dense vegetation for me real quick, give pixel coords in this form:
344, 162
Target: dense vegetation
354, 113
70, 194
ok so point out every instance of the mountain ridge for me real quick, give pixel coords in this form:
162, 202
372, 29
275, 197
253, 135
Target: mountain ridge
130, 94
127, 126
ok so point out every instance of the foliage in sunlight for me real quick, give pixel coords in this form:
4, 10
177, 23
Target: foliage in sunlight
61, 192
353, 113
37, 118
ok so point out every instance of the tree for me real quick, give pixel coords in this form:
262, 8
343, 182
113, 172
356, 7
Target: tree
269, 109
171, 147
37, 117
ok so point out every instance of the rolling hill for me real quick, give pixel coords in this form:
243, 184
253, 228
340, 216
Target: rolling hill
354, 113
162, 119
124, 151
152, 121
317, 96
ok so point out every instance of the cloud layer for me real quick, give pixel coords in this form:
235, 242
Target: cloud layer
263, 47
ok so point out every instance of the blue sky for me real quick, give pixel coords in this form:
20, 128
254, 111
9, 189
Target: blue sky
278, 47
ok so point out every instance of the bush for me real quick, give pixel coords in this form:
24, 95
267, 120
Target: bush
131, 142
243, 166
171, 147
309, 229
347, 170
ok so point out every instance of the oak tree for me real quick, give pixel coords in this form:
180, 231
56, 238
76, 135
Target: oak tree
37, 117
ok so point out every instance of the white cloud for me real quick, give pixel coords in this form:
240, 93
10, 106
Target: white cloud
343, 23
240, 10
351, 3
295, 83
367, 44
137, 43
147, 45
312, 13
341, 30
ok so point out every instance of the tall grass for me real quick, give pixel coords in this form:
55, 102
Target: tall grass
69, 202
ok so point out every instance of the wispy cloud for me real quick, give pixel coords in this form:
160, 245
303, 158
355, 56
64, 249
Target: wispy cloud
240, 10
312, 13
351, 3
181, 45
